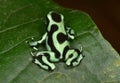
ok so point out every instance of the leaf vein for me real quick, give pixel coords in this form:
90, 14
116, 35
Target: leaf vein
20, 72
14, 45
16, 26
14, 11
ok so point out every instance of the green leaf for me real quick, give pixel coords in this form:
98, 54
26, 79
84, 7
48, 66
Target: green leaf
22, 19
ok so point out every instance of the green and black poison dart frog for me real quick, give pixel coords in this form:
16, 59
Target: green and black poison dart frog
57, 43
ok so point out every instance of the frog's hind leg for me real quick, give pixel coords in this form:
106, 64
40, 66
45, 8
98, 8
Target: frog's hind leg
74, 57
45, 60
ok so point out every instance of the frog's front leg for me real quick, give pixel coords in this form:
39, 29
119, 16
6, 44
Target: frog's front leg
45, 59
70, 32
33, 44
73, 57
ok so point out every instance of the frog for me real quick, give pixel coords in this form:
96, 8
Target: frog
57, 42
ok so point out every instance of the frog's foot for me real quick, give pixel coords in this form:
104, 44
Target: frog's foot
74, 58
71, 33
32, 43
45, 60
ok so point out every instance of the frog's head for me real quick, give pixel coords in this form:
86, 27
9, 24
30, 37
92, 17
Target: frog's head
53, 18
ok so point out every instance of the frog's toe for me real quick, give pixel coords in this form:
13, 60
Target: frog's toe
32, 38
33, 43
68, 63
75, 63
51, 68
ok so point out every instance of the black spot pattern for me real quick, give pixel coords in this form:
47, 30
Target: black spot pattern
56, 17
78, 51
50, 41
47, 22
61, 37
64, 52
47, 56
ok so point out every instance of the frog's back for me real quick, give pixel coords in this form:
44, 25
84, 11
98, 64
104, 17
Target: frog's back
57, 36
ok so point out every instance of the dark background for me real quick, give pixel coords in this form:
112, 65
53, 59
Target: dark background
105, 13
